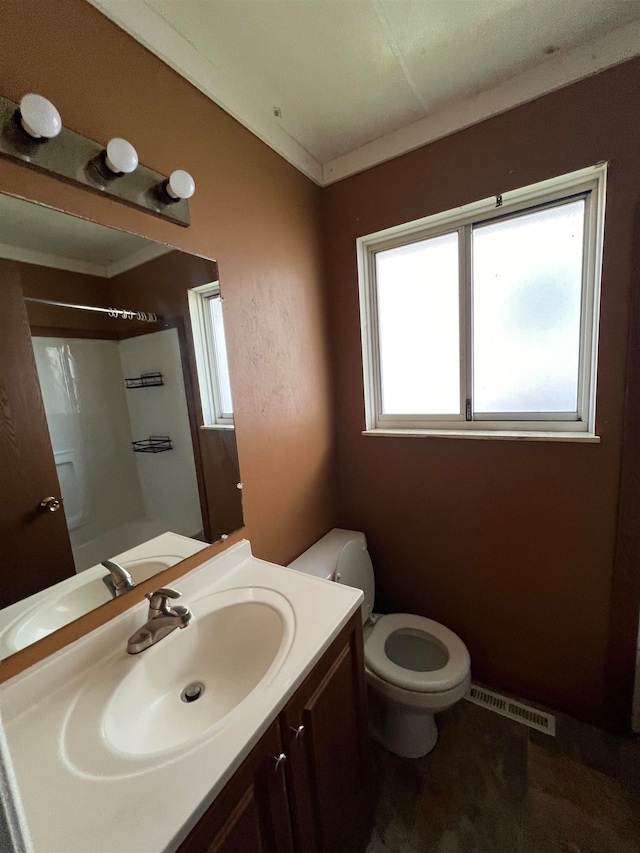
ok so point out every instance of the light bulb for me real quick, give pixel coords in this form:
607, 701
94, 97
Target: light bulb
121, 156
180, 185
39, 118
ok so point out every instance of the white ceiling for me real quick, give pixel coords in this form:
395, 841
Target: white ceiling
360, 81
35, 234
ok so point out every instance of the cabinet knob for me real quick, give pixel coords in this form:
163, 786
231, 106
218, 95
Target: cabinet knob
298, 731
279, 760
50, 504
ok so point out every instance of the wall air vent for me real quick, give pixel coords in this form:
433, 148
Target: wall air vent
518, 711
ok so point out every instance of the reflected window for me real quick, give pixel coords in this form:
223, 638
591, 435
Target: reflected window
205, 304
486, 317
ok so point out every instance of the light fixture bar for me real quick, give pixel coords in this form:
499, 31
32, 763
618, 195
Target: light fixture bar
78, 160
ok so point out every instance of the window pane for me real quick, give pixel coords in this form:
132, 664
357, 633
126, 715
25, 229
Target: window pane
527, 282
220, 347
419, 327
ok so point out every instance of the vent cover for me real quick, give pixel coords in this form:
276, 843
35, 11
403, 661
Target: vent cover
514, 710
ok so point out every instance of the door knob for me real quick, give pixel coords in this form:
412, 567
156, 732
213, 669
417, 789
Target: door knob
50, 504
280, 760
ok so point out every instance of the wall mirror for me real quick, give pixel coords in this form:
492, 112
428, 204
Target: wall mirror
103, 445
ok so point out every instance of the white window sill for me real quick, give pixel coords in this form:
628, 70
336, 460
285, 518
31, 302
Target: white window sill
217, 426
511, 435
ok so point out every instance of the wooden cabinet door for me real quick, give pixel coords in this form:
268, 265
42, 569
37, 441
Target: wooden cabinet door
251, 815
325, 734
35, 550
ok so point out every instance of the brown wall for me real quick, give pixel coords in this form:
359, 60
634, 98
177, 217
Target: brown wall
511, 544
252, 212
77, 288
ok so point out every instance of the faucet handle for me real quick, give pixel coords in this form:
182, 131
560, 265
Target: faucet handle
159, 600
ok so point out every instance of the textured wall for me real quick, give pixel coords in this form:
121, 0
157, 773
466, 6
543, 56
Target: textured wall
511, 544
252, 212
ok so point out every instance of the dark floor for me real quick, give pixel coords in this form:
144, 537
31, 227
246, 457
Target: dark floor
492, 785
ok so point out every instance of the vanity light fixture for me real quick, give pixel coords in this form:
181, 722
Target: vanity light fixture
39, 118
179, 185
32, 134
120, 157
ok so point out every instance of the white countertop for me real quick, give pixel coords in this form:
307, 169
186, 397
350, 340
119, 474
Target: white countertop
125, 809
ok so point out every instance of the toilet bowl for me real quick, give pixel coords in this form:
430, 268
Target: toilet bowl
415, 667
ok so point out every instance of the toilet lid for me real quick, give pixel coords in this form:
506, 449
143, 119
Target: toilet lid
416, 653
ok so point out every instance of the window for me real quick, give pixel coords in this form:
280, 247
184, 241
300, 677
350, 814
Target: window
205, 305
484, 320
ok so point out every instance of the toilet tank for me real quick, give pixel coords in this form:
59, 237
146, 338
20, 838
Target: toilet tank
341, 556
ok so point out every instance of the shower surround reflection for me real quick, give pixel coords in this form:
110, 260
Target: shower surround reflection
115, 498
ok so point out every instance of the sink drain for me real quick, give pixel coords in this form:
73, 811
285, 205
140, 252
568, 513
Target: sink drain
192, 691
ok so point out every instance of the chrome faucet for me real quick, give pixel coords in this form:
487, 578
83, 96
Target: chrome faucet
162, 620
118, 581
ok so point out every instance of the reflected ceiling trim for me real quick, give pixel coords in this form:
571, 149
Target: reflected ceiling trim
565, 67
146, 253
58, 262
46, 259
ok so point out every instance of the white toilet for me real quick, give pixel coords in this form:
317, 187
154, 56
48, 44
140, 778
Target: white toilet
415, 667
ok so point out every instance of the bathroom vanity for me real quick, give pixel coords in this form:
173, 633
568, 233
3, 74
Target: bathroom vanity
272, 756
307, 785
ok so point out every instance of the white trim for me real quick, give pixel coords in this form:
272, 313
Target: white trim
203, 365
590, 183
597, 212
521, 435
559, 70
206, 363
512, 201
532, 423
466, 319
220, 376
157, 35
217, 426
46, 259
57, 262
149, 28
141, 256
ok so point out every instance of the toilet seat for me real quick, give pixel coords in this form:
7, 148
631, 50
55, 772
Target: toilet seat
450, 675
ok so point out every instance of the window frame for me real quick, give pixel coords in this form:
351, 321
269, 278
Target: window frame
589, 183
206, 359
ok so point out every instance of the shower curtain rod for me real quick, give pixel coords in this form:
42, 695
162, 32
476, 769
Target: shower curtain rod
144, 316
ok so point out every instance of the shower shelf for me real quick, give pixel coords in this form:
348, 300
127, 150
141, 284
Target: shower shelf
153, 444
146, 380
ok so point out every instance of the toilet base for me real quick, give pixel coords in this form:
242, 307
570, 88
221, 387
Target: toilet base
403, 731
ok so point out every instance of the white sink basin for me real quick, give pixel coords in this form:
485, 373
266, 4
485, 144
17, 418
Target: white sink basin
132, 715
